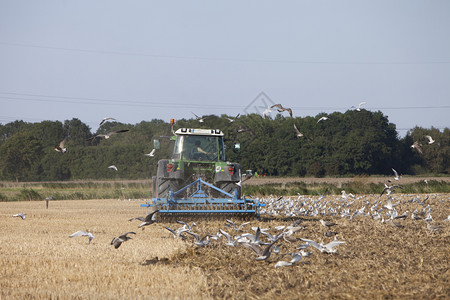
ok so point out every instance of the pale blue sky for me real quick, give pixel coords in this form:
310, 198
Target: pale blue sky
140, 60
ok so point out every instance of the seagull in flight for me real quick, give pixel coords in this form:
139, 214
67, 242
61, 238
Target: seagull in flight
106, 119
149, 219
322, 119
430, 139
328, 248
396, 174
113, 167
297, 132
267, 111
201, 120
60, 147
152, 153
235, 226
388, 189
21, 215
359, 106
233, 119
199, 241
117, 241
281, 109
83, 233
417, 146
108, 135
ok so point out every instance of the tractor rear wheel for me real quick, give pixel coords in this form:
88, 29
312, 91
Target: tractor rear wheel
165, 185
229, 187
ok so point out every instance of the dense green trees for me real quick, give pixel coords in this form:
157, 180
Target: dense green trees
350, 143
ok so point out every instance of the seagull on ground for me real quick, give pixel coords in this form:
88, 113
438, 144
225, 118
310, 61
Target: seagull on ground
108, 135
152, 153
433, 228
322, 119
281, 109
21, 215
83, 233
297, 132
117, 241
113, 167
430, 139
149, 219
60, 147
106, 119
327, 223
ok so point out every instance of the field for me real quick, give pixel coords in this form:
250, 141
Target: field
378, 260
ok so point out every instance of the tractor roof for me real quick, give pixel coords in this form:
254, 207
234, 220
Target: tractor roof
196, 131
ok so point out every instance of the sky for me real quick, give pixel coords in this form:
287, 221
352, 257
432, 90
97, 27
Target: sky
143, 60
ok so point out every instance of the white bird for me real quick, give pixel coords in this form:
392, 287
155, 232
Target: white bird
149, 219
359, 106
152, 153
21, 215
106, 119
296, 257
327, 223
297, 132
230, 241
322, 119
60, 147
396, 174
417, 146
117, 241
201, 120
389, 204
113, 167
233, 119
200, 241
430, 139
236, 227
267, 111
83, 233
328, 248
433, 228
108, 135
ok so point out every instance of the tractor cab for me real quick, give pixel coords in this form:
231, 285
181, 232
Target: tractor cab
199, 145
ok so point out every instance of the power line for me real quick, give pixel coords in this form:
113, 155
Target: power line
111, 52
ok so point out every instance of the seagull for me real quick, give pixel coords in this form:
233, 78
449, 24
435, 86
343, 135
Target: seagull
281, 109
389, 204
113, 167
267, 111
230, 241
396, 174
117, 241
60, 147
186, 226
201, 120
433, 228
395, 224
417, 146
359, 106
200, 241
236, 227
263, 254
402, 216
327, 223
296, 257
430, 139
388, 189
322, 119
83, 233
149, 219
108, 135
297, 132
233, 119
106, 119
152, 153
22, 215
177, 233
328, 248
242, 129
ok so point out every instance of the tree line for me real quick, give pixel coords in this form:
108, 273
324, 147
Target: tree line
345, 144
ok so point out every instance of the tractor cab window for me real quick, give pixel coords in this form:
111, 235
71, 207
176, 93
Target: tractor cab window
199, 148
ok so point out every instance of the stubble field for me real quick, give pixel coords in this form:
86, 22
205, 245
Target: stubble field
378, 260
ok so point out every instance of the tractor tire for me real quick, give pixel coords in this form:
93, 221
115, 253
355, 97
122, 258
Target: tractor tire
165, 185
229, 187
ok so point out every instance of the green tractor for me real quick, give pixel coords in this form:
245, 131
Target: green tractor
198, 179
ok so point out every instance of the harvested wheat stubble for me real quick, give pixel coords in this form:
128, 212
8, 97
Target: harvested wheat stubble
377, 260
